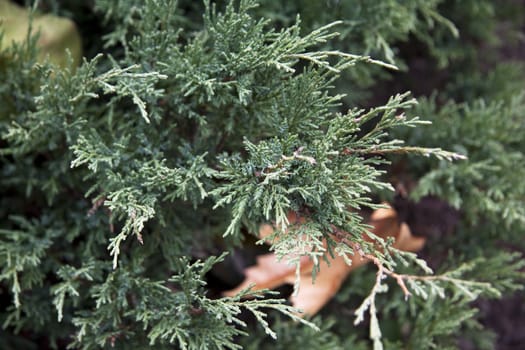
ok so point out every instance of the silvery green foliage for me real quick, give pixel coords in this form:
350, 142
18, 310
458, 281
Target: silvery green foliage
186, 131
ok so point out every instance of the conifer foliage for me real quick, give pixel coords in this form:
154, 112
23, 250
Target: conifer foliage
130, 180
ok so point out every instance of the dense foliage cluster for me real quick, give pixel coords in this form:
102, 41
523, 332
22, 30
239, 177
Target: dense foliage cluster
126, 181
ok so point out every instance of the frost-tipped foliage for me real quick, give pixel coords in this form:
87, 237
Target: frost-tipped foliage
194, 123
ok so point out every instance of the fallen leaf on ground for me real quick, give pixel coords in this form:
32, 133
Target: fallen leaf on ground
269, 272
57, 35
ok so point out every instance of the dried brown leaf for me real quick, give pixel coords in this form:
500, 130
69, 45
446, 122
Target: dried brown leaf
312, 295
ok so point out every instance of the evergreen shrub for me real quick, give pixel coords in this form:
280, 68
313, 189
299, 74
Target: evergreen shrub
133, 184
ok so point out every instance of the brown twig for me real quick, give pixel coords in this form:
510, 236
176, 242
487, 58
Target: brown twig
382, 270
